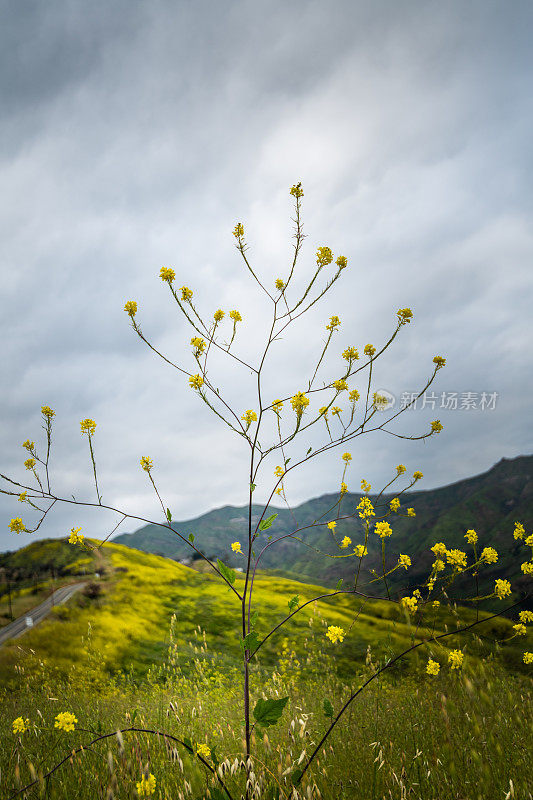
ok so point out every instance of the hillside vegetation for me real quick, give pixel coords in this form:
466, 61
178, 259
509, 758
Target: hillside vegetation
124, 629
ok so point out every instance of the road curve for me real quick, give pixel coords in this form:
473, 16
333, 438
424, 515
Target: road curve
20, 626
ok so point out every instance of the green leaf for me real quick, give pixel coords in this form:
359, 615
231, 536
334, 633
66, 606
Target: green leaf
188, 745
286, 461
134, 717
267, 523
308, 451
250, 641
169, 515
339, 584
328, 708
254, 618
214, 757
294, 602
268, 712
226, 572
191, 537
252, 487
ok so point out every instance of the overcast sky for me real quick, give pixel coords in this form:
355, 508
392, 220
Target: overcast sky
135, 135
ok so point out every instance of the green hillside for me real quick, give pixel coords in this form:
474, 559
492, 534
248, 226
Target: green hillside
490, 503
124, 628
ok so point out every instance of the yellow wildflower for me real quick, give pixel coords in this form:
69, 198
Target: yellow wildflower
527, 567
277, 405
146, 786
20, 725
433, 667
383, 529
199, 345
279, 471
324, 256
404, 315
297, 191
418, 475
439, 361
455, 659
520, 629
335, 634
334, 323
525, 616
341, 262
409, 604
340, 385
346, 541
471, 536
365, 508
218, 315
395, 504
354, 396
16, 525
30, 463
529, 540
88, 426
299, 403
332, 525
518, 530
47, 412
439, 565
65, 721
404, 561
146, 463
196, 381
439, 549
436, 426
23, 496
369, 350
131, 308
323, 411
489, 555
457, 558
502, 588
249, 416
75, 536
347, 457
350, 354
203, 750
167, 274
236, 547
360, 550
365, 486
335, 411
344, 488
235, 316
279, 284
238, 230
186, 294
528, 658
29, 446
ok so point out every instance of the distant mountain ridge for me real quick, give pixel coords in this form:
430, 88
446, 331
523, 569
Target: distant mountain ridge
490, 503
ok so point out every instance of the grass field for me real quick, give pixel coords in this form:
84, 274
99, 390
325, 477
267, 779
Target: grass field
157, 649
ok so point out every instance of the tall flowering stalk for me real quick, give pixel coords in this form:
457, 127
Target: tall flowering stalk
337, 406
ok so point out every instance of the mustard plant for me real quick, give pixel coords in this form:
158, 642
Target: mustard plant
344, 413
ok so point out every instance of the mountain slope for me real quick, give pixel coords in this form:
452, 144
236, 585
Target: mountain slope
490, 503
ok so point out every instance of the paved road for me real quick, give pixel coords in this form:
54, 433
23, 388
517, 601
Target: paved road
20, 625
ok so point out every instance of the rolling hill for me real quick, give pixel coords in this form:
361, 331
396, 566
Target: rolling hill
490, 503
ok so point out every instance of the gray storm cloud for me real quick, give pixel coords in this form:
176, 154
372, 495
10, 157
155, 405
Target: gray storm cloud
135, 135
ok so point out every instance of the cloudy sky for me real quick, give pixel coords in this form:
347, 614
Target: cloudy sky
135, 135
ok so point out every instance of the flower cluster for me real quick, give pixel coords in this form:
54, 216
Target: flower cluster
16, 525
360, 550
218, 315
404, 561
502, 588
88, 426
405, 315
409, 604
401, 468
30, 463
47, 412
324, 256
346, 542
131, 308
279, 471
277, 405
203, 750
280, 284
354, 396
334, 323
146, 786
418, 475
236, 547
457, 558
489, 555
471, 536
365, 508
186, 294
340, 385
455, 659
146, 463
436, 426
235, 316
439, 361
75, 536
395, 504
433, 667
347, 457
297, 191
199, 345
65, 721
350, 354
299, 403
335, 634
383, 529
20, 725
29, 446
196, 381
238, 230
249, 417
167, 274
369, 350
341, 262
